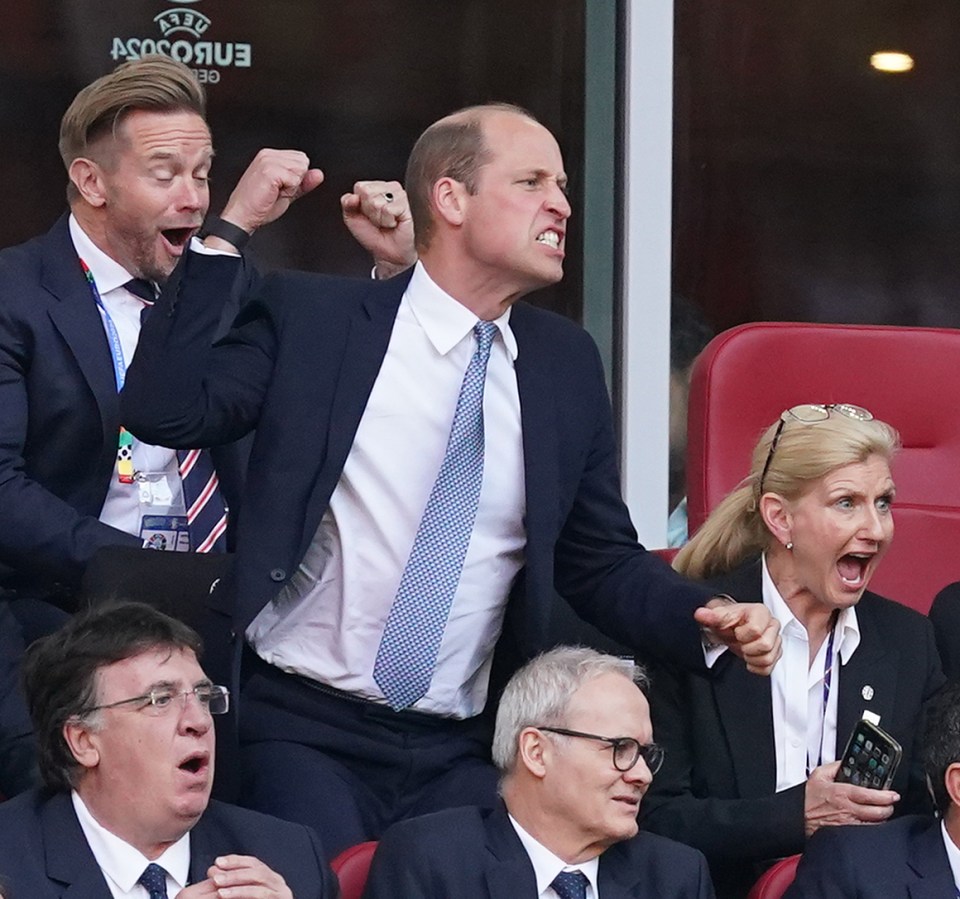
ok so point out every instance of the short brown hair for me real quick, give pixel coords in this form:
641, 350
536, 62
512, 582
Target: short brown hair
454, 147
155, 83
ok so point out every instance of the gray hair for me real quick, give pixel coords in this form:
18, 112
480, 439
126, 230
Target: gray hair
540, 693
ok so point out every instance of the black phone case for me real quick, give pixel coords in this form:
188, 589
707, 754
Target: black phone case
871, 757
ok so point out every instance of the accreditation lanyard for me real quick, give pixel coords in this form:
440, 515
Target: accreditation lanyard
827, 678
125, 473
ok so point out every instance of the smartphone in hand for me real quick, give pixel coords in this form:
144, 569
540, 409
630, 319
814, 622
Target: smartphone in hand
871, 757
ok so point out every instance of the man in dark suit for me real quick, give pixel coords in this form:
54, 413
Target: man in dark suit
60, 490
717, 790
568, 820
915, 857
138, 153
426, 449
122, 712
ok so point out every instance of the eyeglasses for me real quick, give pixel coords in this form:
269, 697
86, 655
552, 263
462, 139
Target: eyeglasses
214, 699
808, 414
626, 751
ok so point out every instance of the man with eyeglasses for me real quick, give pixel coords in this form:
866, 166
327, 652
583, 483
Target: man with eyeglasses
123, 717
574, 747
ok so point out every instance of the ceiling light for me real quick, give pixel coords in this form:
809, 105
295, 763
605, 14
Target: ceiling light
891, 61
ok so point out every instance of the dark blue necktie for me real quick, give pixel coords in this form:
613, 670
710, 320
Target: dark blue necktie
411, 638
567, 885
154, 878
142, 288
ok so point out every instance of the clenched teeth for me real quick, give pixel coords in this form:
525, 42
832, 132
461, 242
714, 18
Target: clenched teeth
550, 238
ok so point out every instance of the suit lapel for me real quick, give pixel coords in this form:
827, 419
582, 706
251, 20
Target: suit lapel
540, 464
507, 869
76, 317
928, 860
621, 876
69, 860
203, 851
873, 665
745, 704
361, 356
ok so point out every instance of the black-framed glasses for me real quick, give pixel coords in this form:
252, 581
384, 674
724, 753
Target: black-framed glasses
808, 414
212, 697
626, 751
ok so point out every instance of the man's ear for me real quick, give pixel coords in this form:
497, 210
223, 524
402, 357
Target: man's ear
776, 515
951, 780
533, 750
449, 200
87, 178
82, 743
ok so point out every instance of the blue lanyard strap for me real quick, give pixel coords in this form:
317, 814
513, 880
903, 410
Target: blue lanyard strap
113, 335
827, 679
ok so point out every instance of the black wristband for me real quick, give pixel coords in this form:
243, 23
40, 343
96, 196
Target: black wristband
231, 233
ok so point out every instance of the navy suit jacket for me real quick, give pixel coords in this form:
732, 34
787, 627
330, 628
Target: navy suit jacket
902, 859
59, 417
473, 853
716, 789
44, 854
299, 366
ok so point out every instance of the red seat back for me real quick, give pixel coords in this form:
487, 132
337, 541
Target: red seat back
909, 377
773, 883
352, 867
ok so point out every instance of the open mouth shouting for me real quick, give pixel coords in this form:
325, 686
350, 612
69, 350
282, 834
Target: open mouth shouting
855, 569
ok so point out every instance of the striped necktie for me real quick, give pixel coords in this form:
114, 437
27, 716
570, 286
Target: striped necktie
206, 510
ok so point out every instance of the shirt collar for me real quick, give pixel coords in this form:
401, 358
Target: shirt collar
445, 320
107, 273
953, 853
120, 861
847, 637
546, 865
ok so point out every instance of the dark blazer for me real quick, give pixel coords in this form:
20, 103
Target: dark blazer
716, 790
59, 417
44, 854
903, 858
473, 853
299, 366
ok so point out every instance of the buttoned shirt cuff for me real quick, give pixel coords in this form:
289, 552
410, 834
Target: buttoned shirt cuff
198, 246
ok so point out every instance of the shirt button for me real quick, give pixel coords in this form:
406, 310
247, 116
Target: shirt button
278, 575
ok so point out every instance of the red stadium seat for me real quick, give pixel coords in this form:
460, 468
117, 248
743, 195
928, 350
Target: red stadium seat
909, 377
352, 866
773, 883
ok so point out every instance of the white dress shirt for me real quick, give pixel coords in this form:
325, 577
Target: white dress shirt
327, 623
801, 729
122, 865
122, 507
953, 854
547, 866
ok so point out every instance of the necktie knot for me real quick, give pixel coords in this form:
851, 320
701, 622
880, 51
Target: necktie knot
570, 885
142, 288
154, 878
484, 332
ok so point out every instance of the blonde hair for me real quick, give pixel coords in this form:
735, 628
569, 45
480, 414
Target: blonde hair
155, 83
806, 452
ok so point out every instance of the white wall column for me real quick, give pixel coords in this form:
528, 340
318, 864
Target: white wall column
646, 277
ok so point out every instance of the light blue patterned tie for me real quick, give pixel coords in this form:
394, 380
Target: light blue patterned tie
570, 885
154, 878
411, 638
